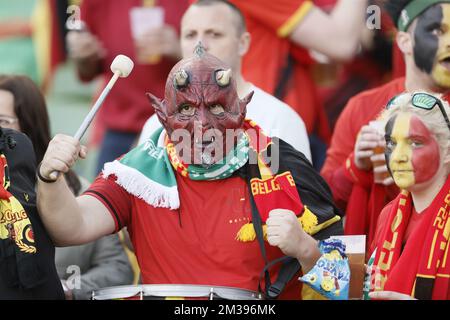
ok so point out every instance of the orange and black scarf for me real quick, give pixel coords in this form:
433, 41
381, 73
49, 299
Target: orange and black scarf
421, 268
18, 263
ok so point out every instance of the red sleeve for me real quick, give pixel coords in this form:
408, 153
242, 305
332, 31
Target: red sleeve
359, 111
281, 15
114, 198
356, 175
90, 11
342, 145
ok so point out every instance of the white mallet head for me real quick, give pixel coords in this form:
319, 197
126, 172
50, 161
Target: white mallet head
122, 65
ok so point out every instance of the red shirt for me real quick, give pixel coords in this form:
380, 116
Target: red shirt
359, 111
270, 24
127, 108
195, 244
353, 188
413, 223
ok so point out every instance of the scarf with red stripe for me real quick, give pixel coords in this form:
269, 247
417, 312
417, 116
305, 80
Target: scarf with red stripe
422, 268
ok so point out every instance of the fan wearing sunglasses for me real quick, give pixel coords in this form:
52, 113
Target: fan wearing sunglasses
411, 246
358, 175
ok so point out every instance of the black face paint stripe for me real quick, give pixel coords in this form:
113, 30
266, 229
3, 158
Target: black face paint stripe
388, 133
425, 43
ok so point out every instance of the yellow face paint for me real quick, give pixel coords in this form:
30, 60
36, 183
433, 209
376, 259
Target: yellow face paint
441, 68
400, 162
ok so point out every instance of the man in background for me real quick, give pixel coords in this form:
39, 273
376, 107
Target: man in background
358, 177
223, 33
107, 32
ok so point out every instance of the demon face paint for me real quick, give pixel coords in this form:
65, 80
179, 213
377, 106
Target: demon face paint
412, 151
432, 43
201, 108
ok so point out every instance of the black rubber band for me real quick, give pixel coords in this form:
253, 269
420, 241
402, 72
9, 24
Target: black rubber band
40, 177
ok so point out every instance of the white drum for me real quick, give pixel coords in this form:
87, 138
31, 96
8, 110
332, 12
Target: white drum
173, 292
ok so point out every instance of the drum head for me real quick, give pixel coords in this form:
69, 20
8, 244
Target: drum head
173, 291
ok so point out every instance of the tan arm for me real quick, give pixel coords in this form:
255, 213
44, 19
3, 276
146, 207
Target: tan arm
336, 35
69, 220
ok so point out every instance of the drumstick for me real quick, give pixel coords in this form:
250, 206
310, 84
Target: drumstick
121, 67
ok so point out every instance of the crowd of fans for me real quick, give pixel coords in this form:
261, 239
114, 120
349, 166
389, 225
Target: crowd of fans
356, 91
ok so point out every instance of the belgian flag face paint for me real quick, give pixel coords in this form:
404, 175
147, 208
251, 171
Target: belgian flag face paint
412, 152
432, 43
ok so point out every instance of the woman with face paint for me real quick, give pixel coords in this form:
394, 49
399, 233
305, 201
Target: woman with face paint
410, 259
352, 168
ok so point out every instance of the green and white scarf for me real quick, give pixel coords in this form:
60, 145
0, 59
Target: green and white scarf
147, 172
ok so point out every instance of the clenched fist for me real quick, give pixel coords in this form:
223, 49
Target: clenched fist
62, 153
285, 232
368, 140
381, 173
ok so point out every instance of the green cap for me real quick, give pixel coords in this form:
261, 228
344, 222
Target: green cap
414, 9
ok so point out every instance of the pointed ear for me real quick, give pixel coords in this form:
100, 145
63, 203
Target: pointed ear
244, 103
159, 107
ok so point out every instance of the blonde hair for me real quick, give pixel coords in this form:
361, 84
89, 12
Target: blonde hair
433, 119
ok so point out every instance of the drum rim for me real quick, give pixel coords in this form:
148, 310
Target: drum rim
174, 290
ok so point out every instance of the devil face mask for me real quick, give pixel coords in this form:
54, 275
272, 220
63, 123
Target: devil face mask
412, 151
201, 112
432, 43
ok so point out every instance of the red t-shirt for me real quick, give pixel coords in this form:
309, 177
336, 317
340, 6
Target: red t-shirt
413, 223
195, 244
127, 108
270, 23
359, 111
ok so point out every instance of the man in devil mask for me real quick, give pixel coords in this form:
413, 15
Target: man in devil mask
357, 175
196, 208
